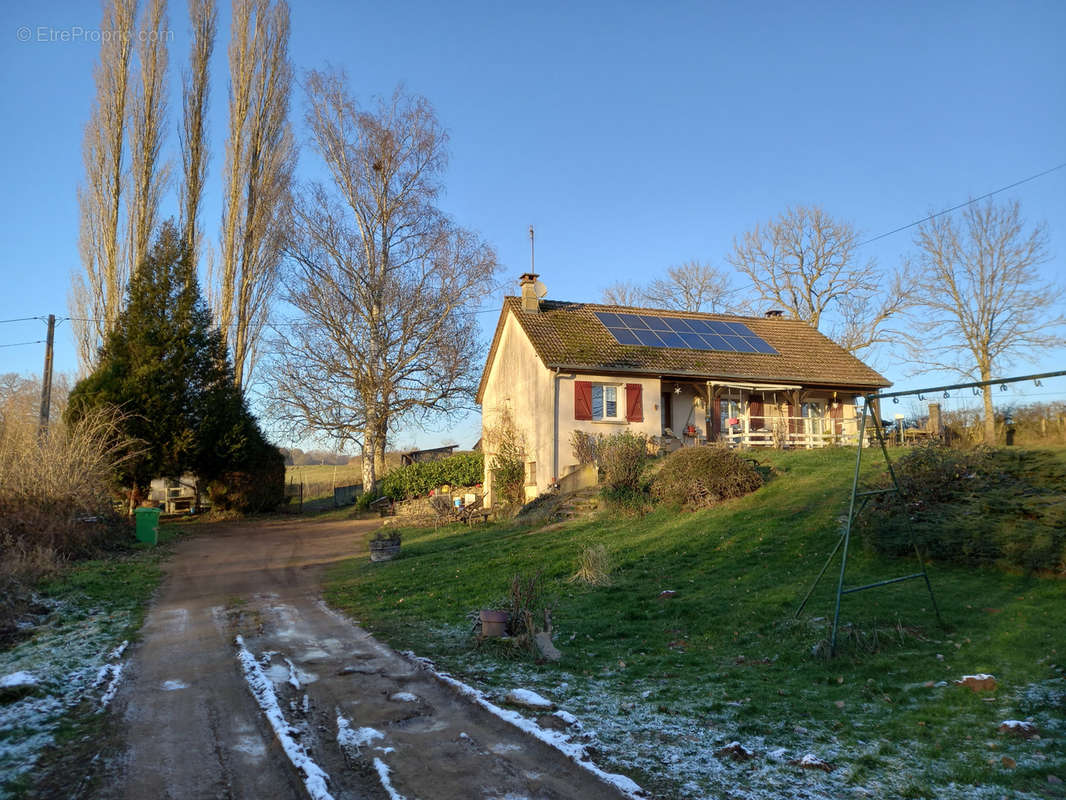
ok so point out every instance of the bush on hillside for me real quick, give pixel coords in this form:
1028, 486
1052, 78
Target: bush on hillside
700, 477
622, 458
583, 446
416, 480
973, 507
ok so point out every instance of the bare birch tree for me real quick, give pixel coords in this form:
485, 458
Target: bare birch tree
623, 293
96, 297
260, 156
195, 93
692, 286
149, 174
806, 262
983, 303
385, 281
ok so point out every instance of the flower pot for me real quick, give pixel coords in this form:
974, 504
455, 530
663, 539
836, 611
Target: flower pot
384, 549
494, 623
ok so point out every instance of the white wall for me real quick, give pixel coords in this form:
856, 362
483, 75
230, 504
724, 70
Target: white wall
519, 382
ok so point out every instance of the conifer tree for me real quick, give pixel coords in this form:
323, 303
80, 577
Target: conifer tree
167, 369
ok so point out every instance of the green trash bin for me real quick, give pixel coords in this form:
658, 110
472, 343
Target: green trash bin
147, 524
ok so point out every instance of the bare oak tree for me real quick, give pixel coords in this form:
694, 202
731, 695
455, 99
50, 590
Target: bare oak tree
385, 282
96, 297
260, 157
692, 286
983, 303
148, 174
195, 93
805, 262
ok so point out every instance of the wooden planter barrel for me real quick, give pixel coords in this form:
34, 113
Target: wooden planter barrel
494, 623
384, 549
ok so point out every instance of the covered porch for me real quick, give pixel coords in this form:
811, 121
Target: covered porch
752, 414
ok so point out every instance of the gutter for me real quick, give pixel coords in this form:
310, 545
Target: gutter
555, 421
718, 377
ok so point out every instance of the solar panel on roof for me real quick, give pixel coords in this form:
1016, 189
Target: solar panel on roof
653, 330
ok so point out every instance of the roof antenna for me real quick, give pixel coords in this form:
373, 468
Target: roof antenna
531, 265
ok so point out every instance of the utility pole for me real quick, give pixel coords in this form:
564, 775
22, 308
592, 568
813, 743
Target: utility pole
46, 378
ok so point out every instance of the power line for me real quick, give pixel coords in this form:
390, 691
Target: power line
963, 205
23, 319
20, 344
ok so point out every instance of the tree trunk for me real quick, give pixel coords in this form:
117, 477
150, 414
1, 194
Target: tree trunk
990, 413
369, 443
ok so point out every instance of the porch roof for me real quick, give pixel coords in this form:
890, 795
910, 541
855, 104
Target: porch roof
568, 336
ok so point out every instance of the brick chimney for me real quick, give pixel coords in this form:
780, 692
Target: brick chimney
528, 282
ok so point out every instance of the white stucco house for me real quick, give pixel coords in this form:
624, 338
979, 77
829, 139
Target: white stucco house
555, 367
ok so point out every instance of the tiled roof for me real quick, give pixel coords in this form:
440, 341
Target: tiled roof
569, 336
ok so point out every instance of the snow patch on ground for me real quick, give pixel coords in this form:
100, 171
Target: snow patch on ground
112, 675
383, 775
404, 697
262, 689
559, 741
353, 738
63, 656
18, 680
528, 699
173, 686
567, 717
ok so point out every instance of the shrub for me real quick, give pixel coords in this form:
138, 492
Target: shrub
55, 498
700, 477
584, 447
416, 480
509, 474
508, 464
980, 506
622, 458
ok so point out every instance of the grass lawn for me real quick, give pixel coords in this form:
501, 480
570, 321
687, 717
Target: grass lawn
662, 683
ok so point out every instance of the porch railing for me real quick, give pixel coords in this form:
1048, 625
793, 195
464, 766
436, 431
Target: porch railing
802, 432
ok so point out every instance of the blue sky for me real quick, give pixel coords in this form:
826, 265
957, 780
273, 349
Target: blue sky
633, 136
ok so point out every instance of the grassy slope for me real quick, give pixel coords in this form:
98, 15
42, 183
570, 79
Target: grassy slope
689, 670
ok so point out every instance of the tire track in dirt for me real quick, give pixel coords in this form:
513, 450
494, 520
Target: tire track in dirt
378, 724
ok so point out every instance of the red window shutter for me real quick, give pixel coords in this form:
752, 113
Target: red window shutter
582, 400
634, 402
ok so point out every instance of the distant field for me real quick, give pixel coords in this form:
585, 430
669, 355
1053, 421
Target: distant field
319, 479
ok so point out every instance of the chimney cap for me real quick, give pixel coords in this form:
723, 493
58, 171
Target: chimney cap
775, 312
527, 277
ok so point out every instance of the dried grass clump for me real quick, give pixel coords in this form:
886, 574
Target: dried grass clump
55, 494
700, 477
594, 567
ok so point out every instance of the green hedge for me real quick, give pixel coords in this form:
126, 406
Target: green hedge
415, 480
981, 506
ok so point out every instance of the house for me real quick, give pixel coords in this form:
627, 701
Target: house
680, 378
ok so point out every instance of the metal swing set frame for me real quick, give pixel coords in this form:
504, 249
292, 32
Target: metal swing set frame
860, 498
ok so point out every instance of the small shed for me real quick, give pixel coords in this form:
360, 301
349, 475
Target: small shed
174, 494
433, 454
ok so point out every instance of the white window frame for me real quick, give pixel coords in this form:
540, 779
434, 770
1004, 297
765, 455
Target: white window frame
814, 417
619, 402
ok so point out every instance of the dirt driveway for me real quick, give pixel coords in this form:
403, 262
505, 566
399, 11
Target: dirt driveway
376, 724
